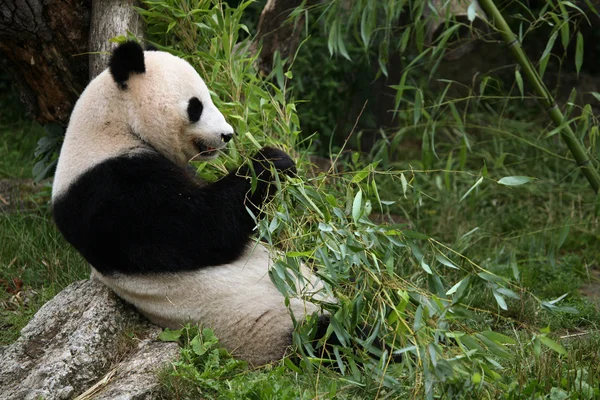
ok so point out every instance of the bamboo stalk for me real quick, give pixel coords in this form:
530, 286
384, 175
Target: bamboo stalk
566, 133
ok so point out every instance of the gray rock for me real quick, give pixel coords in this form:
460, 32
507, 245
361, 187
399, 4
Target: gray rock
85, 340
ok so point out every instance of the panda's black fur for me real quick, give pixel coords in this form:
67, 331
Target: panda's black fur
152, 214
126, 59
178, 250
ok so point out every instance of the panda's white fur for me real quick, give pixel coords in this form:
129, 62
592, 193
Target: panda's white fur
153, 107
179, 252
237, 300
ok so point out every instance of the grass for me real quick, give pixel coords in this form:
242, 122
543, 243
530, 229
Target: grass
35, 261
35, 264
18, 137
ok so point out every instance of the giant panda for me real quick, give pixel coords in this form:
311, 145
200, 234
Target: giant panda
180, 251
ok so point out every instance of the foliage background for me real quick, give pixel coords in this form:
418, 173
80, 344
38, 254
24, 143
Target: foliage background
449, 222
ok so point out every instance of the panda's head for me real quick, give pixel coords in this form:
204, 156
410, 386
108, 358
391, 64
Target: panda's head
167, 104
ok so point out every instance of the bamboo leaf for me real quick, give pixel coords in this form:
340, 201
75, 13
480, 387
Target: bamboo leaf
472, 11
508, 293
500, 300
579, 53
365, 31
515, 180
495, 348
362, 174
564, 31
546, 341
486, 276
498, 337
404, 184
404, 39
418, 106
519, 80
425, 266
546, 54
443, 260
454, 288
332, 39
357, 206
472, 188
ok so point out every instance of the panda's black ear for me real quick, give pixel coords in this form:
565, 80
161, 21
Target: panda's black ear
126, 59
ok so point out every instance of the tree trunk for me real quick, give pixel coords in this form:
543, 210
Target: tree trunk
275, 33
44, 46
40, 44
111, 18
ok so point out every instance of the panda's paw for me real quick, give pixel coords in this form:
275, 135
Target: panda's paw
278, 158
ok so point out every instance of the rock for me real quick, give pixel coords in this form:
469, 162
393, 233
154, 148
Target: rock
85, 341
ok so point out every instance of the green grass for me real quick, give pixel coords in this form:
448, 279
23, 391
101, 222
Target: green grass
35, 261
18, 140
35, 264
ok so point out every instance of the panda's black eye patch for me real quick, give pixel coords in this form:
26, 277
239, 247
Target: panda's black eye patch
194, 109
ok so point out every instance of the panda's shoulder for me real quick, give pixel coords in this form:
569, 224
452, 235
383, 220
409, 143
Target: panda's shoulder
129, 178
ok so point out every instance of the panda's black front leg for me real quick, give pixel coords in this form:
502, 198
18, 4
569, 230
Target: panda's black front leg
228, 200
261, 163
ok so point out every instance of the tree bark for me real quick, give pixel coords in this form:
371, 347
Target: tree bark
40, 43
275, 33
44, 46
111, 18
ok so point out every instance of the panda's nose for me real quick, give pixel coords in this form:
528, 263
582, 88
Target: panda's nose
226, 137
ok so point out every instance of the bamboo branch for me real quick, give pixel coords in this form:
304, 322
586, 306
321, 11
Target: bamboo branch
550, 105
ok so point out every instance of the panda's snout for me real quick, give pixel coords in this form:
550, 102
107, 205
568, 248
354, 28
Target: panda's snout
226, 137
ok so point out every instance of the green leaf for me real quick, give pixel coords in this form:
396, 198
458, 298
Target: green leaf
325, 227
404, 183
579, 53
508, 293
500, 300
486, 276
342, 48
537, 346
498, 337
197, 346
493, 347
472, 11
332, 39
472, 188
168, 335
515, 180
546, 54
558, 299
365, 31
418, 106
564, 32
253, 140
546, 341
418, 321
454, 288
362, 174
299, 254
519, 80
357, 206
425, 266
443, 260
404, 40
